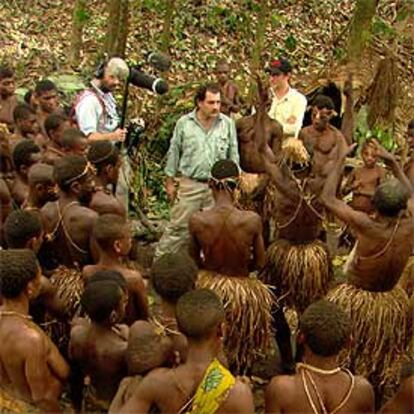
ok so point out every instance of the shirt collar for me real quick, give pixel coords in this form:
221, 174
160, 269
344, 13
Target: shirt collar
193, 116
286, 96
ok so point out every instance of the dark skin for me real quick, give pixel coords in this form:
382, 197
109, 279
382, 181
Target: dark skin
347, 126
323, 140
137, 307
364, 180
230, 239
8, 101
98, 349
103, 200
171, 389
48, 102
286, 394
20, 188
230, 100
250, 159
54, 150
31, 367
403, 400
5, 207
166, 351
374, 233
298, 211
78, 222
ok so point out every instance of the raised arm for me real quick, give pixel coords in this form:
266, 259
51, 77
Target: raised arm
347, 127
337, 206
281, 180
395, 167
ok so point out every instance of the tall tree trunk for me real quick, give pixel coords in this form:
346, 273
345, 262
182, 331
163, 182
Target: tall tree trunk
123, 28
169, 6
360, 31
113, 23
79, 17
256, 63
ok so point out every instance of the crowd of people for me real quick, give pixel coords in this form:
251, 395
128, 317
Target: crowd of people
242, 275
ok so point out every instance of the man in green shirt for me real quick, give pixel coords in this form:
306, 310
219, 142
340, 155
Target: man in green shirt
200, 139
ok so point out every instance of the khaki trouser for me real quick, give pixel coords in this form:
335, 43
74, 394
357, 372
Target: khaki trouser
192, 196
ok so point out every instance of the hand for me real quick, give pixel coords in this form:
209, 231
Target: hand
382, 152
345, 150
348, 87
262, 91
119, 135
171, 189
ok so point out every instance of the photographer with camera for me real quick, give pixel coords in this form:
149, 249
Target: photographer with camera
95, 108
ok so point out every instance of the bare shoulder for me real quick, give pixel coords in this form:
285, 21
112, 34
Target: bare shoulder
79, 331
239, 400
32, 341
285, 385
364, 391
88, 271
197, 219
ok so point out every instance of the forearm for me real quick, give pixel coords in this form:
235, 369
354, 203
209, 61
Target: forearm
97, 136
347, 127
332, 182
399, 174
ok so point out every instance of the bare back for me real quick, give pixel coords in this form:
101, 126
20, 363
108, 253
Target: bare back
384, 245
137, 306
287, 394
69, 229
172, 389
101, 353
24, 353
250, 158
227, 237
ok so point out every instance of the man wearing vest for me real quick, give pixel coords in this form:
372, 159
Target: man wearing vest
96, 112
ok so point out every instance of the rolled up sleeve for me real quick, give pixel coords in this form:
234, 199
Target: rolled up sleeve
88, 111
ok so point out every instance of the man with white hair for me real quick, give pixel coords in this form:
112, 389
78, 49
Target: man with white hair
95, 108
97, 117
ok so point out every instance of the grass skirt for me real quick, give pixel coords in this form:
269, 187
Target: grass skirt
247, 302
12, 405
69, 288
301, 273
380, 332
407, 278
248, 195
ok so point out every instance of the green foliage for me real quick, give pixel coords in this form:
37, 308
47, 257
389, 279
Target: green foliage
290, 43
82, 16
380, 27
383, 136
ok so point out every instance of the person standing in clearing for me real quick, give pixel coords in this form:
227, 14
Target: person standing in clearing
288, 105
201, 138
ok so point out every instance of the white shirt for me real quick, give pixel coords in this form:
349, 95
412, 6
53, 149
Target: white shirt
96, 111
292, 105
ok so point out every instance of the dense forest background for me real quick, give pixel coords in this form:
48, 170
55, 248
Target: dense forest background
324, 39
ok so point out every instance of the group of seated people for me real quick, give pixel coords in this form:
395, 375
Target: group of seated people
78, 327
